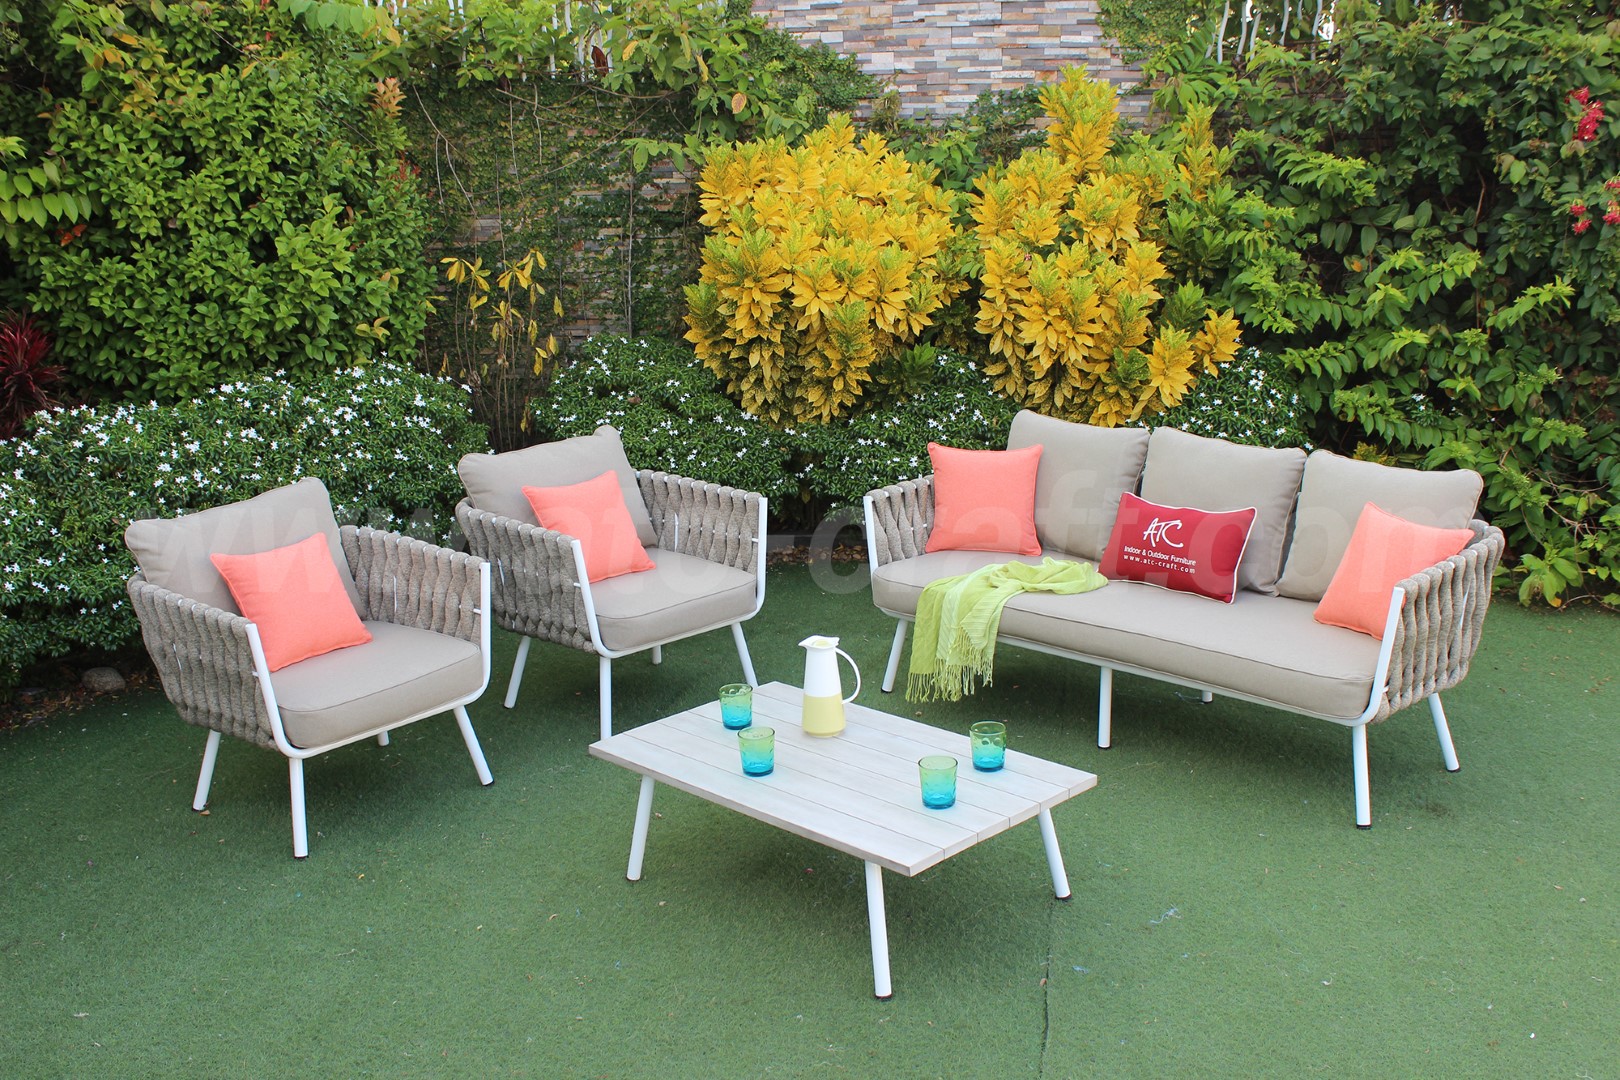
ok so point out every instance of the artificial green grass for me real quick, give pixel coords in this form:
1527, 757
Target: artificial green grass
1227, 919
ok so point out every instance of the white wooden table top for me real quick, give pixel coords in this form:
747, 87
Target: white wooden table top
857, 792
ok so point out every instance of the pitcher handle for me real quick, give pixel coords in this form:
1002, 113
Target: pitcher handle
856, 670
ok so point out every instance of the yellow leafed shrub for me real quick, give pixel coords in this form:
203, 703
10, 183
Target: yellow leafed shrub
1073, 291
823, 263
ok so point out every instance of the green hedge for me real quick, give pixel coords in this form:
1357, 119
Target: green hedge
383, 438
675, 417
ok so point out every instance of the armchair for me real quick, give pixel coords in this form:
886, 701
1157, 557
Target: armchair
705, 543
424, 608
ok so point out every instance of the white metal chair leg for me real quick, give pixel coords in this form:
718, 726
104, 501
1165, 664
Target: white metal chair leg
382, 739
604, 690
638, 838
1105, 708
205, 778
295, 778
1448, 750
517, 671
742, 654
1054, 856
1358, 755
893, 669
468, 736
878, 922
658, 654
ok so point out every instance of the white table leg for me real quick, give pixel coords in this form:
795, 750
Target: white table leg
638, 839
881, 989
1054, 857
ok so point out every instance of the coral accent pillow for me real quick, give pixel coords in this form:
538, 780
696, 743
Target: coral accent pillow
1178, 547
984, 500
1383, 550
296, 598
594, 513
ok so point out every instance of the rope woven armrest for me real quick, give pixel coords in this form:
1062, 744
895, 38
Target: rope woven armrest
534, 587
203, 656
708, 521
902, 516
1440, 623
413, 583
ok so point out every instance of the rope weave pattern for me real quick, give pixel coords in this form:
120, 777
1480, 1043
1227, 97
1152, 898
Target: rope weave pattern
1439, 627
533, 587
204, 659
413, 583
902, 515
708, 521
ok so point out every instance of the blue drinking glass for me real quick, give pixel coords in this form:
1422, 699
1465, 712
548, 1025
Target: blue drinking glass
989, 739
938, 775
736, 705
758, 746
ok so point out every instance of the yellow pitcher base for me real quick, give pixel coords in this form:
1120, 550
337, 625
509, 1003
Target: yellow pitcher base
823, 716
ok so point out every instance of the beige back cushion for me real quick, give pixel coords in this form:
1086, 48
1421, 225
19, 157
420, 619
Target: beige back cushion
1212, 474
173, 552
1331, 498
495, 482
1084, 470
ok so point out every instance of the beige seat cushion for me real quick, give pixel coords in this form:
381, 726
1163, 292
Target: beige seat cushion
680, 596
1331, 498
173, 552
401, 672
495, 482
1084, 470
896, 586
1265, 647
1212, 474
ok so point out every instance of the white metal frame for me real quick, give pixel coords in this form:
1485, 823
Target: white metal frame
1105, 689
606, 656
296, 755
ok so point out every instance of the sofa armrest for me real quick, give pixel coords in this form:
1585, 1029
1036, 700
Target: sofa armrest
1438, 629
708, 521
898, 520
411, 582
535, 585
205, 659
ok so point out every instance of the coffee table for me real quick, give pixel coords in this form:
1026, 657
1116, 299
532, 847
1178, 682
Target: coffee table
857, 792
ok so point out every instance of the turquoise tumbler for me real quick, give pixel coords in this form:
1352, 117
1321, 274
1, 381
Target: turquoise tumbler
989, 739
938, 775
758, 746
736, 705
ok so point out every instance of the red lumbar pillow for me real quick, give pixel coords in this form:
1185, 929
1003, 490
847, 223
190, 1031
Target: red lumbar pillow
984, 500
1383, 550
296, 598
1178, 547
594, 513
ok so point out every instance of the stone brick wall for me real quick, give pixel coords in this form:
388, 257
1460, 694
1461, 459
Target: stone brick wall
942, 54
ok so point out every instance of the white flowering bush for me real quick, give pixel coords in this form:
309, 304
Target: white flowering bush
672, 413
383, 438
1254, 400
954, 406
675, 416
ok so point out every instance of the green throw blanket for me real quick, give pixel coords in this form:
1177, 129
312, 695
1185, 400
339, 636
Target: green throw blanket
954, 641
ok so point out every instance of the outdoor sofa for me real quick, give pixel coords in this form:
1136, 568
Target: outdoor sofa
1264, 646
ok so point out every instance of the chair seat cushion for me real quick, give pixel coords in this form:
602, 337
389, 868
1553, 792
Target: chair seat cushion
400, 672
680, 596
1268, 648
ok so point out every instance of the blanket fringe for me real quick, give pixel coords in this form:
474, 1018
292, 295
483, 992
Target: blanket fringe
953, 682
